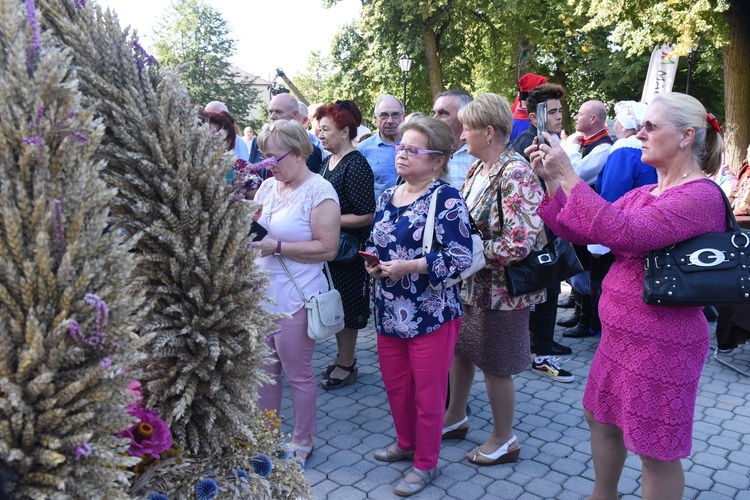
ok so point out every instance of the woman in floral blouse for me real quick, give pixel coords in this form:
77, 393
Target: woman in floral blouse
495, 333
417, 316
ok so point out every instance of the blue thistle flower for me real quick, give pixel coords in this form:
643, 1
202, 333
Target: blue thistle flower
157, 496
241, 474
262, 465
206, 489
284, 453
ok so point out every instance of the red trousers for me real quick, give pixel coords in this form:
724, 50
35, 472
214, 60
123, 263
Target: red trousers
415, 374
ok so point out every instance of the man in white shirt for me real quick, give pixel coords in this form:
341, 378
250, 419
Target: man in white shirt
589, 147
446, 107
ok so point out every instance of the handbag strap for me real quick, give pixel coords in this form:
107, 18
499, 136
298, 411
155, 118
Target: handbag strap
429, 226
731, 221
299, 289
543, 238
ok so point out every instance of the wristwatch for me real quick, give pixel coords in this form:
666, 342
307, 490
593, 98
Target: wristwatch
278, 248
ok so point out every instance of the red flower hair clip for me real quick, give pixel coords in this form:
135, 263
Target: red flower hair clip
714, 123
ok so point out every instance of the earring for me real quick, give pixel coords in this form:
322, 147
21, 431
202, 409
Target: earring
682, 146
488, 142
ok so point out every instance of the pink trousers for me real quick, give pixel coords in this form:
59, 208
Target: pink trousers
415, 374
293, 351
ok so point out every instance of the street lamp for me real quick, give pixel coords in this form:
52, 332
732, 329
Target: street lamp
404, 63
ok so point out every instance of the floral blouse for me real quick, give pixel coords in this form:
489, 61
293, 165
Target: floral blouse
521, 229
412, 306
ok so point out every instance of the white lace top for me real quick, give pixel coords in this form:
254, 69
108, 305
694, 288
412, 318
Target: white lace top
287, 219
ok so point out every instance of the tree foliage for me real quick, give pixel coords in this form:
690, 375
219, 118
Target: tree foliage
596, 49
194, 36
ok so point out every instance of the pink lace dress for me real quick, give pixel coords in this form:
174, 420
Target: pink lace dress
644, 375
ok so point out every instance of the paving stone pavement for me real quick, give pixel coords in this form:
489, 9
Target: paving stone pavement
555, 460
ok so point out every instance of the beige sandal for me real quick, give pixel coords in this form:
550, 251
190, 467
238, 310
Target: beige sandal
405, 489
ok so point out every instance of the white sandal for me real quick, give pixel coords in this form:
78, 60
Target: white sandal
500, 456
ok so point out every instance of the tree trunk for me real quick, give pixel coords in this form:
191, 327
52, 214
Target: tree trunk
737, 83
434, 70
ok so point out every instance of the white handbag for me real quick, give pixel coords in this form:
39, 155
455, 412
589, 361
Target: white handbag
325, 311
477, 250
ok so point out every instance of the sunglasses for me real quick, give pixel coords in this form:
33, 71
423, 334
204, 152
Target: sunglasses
650, 126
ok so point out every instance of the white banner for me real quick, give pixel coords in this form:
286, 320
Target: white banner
661, 72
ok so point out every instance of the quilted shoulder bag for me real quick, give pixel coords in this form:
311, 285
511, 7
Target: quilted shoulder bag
325, 311
554, 262
712, 269
477, 247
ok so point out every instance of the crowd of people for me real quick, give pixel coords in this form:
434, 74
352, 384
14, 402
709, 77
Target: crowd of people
478, 165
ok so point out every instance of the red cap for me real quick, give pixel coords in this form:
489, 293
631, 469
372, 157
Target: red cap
530, 81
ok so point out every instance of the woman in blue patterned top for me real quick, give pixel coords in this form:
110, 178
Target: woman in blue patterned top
417, 316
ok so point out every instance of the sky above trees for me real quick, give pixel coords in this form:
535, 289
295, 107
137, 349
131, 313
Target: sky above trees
269, 34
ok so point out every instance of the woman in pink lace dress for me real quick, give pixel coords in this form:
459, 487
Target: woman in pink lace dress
644, 377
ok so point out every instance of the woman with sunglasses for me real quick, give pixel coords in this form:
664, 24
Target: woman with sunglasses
417, 316
300, 210
641, 391
352, 178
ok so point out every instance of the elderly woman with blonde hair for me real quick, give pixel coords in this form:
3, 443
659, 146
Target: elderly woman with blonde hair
643, 383
495, 332
301, 212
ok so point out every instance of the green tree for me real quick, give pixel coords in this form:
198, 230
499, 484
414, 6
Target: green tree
194, 36
639, 25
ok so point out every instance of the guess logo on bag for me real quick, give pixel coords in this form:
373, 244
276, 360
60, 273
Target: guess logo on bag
713, 257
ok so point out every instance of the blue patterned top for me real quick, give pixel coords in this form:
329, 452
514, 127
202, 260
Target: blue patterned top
411, 306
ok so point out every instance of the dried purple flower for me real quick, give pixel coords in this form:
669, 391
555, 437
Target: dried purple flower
75, 330
142, 57
102, 314
37, 140
35, 46
106, 362
82, 450
82, 138
80, 3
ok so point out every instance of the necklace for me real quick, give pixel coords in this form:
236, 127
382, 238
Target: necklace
685, 176
335, 159
402, 210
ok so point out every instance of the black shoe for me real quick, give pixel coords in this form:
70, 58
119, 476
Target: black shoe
567, 303
578, 332
570, 322
560, 350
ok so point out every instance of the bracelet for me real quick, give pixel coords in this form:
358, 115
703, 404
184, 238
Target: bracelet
278, 248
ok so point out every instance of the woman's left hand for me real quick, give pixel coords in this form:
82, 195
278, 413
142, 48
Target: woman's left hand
397, 269
267, 246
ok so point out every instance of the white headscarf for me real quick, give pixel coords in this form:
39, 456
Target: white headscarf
630, 114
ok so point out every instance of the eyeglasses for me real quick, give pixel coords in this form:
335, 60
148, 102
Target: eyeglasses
414, 151
272, 160
395, 115
649, 126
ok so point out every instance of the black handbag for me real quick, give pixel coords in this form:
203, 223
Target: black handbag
554, 262
712, 269
348, 248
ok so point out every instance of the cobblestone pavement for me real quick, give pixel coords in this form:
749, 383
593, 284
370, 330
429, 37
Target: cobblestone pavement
555, 460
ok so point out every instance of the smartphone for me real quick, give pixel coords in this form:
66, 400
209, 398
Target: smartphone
541, 122
257, 231
371, 259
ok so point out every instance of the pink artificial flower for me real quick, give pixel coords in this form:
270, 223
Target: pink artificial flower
151, 436
135, 388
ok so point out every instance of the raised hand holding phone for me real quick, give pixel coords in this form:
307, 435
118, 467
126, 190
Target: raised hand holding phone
541, 122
